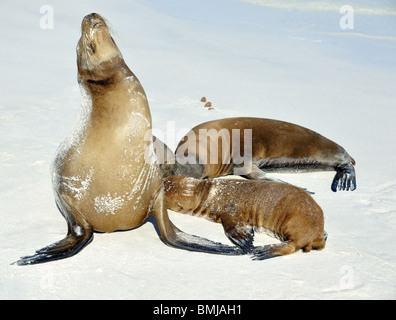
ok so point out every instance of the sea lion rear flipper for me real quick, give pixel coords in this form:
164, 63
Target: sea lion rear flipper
345, 178
174, 237
275, 250
238, 232
266, 252
80, 234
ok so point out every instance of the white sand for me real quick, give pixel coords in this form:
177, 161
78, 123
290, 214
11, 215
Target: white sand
289, 63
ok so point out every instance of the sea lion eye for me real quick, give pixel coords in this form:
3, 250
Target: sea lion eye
97, 25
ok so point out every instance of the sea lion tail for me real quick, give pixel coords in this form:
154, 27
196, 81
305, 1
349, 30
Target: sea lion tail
176, 238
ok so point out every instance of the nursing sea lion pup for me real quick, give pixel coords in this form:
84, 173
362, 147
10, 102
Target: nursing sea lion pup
255, 146
242, 206
106, 177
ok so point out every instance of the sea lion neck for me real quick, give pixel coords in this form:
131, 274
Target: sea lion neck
120, 105
106, 76
194, 192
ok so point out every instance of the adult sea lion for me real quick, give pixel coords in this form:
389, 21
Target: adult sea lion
106, 177
242, 206
255, 146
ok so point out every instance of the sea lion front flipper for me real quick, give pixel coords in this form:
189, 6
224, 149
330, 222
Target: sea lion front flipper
238, 232
174, 237
345, 178
79, 234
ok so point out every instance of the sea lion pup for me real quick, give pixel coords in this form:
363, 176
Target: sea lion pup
106, 177
256, 146
242, 206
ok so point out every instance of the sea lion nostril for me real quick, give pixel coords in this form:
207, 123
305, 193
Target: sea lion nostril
91, 15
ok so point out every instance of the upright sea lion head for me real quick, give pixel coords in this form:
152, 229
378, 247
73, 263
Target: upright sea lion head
98, 57
182, 192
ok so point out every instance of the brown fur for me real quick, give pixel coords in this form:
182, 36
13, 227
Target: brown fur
271, 139
288, 212
107, 178
275, 146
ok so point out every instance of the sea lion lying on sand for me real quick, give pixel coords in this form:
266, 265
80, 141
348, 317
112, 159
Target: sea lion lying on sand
251, 147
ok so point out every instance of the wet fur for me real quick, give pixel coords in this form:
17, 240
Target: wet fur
242, 206
102, 180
